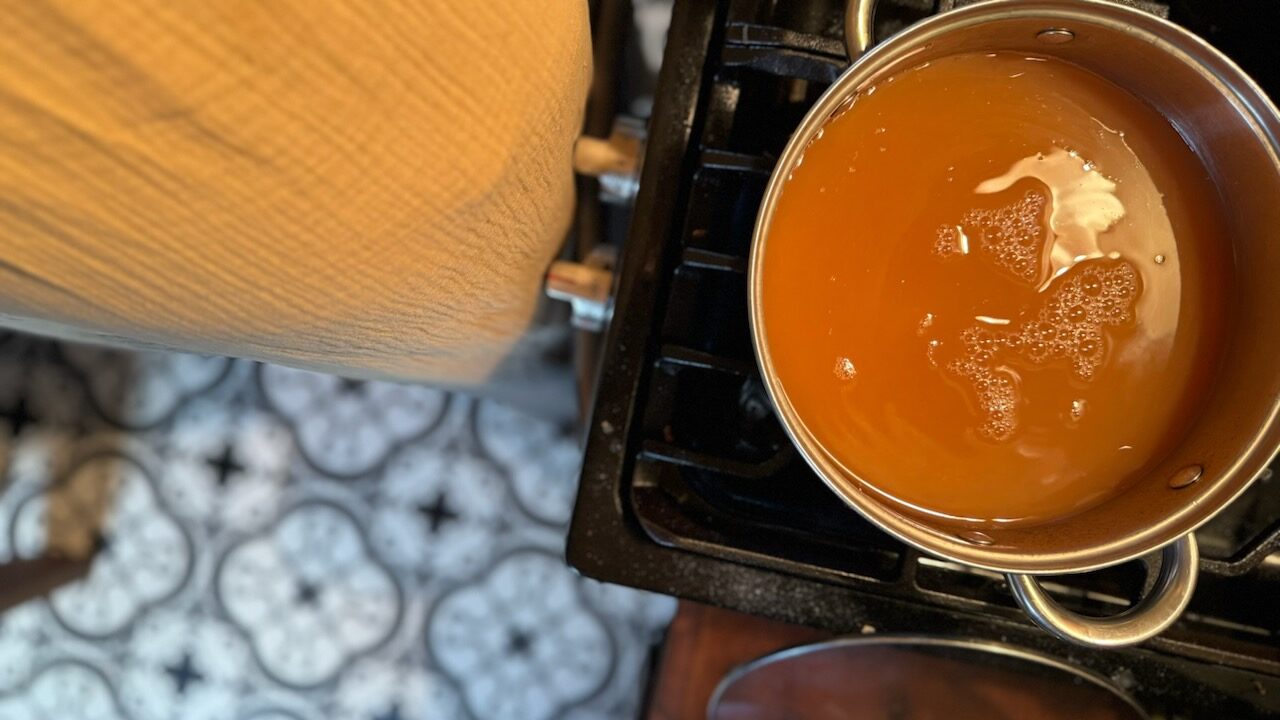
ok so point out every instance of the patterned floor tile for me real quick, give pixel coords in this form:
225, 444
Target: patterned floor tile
271, 544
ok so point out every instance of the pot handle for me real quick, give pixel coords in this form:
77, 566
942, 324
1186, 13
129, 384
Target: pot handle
1179, 565
858, 15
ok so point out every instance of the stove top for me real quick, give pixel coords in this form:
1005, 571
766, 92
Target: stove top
690, 487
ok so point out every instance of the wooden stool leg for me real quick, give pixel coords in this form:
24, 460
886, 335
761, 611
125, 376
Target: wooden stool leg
23, 580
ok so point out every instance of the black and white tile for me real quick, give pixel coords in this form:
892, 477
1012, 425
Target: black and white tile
346, 428
437, 509
519, 640
273, 544
107, 505
66, 688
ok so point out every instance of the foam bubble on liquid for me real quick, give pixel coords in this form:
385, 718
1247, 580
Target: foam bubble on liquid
996, 394
1083, 204
947, 241
1066, 328
1013, 235
925, 323
844, 369
1077, 409
1070, 322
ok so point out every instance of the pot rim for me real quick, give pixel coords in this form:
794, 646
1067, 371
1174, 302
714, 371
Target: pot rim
911, 641
1182, 46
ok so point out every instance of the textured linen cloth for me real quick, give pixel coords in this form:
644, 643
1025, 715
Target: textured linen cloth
372, 189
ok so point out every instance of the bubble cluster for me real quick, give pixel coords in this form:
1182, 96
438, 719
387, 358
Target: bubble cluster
926, 322
844, 369
1067, 328
1013, 235
947, 242
1069, 325
997, 396
1077, 409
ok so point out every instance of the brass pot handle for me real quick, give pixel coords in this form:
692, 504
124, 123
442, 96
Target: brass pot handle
1180, 563
858, 15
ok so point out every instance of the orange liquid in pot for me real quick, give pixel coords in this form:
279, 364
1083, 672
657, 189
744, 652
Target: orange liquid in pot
995, 288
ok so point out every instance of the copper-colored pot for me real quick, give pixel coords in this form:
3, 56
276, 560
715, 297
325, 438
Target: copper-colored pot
1234, 129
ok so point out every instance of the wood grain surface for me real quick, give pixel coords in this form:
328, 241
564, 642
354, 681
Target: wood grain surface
703, 644
856, 683
371, 188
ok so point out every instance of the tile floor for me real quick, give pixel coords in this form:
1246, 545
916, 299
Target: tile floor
272, 544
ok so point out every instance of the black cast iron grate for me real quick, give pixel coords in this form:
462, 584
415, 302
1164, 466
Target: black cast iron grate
691, 487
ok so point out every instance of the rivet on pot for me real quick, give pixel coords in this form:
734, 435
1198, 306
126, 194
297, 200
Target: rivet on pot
973, 537
1055, 36
1186, 476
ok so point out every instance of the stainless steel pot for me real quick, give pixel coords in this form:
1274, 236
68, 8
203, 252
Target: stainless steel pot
904, 677
1233, 128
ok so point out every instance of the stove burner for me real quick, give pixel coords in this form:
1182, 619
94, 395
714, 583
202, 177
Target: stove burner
690, 486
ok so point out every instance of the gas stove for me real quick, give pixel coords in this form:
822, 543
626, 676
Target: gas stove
690, 487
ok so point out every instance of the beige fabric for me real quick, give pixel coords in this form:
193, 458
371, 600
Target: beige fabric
367, 187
